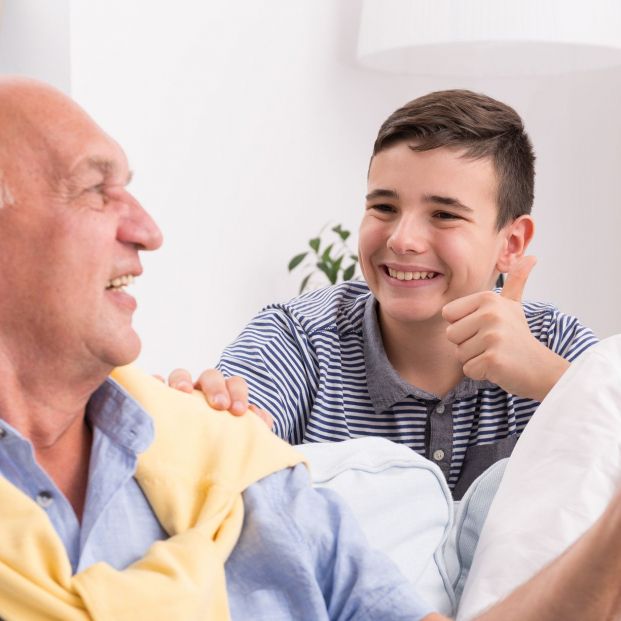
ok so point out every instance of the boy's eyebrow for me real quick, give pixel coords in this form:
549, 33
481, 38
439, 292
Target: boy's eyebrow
446, 200
381, 193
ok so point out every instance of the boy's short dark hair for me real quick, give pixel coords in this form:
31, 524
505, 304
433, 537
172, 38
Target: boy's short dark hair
483, 127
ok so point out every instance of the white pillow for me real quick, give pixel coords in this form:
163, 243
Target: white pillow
563, 471
401, 501
470, 515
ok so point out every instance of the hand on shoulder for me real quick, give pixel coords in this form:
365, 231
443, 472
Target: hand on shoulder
221, 393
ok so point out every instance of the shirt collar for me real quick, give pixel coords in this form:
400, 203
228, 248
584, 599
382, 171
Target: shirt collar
386, 387
111, 410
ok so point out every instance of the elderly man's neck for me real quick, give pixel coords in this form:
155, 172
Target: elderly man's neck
48, 407
42, 398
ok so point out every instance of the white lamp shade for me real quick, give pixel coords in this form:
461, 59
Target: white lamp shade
489, 38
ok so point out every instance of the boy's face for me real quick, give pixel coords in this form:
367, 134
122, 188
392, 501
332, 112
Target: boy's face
428, 235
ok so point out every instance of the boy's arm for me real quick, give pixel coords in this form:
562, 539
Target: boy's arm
494, 342
276, 369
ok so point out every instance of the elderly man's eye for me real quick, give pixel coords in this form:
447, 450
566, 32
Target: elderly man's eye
96, 196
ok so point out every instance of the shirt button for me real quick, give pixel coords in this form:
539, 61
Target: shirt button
438, 455
2, 433
440, 409
44, 499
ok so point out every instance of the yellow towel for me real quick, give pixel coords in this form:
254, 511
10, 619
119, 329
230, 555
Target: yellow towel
193, 476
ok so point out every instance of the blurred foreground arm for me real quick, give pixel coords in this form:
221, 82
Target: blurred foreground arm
583, 584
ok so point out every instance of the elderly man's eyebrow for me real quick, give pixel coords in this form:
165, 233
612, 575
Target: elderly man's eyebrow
447, 201
106, 167
382, 193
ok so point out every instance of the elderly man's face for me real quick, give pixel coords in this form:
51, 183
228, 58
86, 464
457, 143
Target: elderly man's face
69, 242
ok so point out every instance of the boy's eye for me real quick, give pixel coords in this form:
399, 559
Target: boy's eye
382, 208
446, 215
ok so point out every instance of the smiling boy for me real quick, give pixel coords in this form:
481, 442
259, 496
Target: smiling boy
424, 353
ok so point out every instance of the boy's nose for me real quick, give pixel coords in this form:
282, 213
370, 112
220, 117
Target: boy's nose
407, 237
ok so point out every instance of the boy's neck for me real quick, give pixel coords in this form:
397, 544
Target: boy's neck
421, 354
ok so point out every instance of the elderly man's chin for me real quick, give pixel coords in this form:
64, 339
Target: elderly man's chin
121, 345
122, 350
115, 342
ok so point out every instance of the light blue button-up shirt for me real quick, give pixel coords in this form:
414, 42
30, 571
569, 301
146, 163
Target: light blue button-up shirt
118, 524
300, 555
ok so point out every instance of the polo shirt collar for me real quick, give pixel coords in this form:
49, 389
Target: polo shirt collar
386, 387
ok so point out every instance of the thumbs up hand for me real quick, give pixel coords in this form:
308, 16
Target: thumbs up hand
495, 343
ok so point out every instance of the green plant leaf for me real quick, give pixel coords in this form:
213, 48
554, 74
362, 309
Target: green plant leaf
335, 268
297, 260
304, 282
325, 269
327, 260
326, 254
349, 272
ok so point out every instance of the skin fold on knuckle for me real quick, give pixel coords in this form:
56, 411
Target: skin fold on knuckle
474, 370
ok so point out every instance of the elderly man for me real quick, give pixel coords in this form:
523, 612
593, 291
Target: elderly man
113, 513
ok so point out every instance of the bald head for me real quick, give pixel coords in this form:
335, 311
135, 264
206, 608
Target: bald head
39, 126
25, 102
23, 114
69, 230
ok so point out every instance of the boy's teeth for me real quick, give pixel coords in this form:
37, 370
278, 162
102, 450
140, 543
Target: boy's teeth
120, 282
410, 275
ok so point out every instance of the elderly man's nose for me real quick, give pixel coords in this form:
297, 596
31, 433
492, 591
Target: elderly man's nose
138, 227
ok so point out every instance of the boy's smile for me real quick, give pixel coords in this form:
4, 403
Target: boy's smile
429, 235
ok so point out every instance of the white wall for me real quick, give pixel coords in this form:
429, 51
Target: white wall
249, 125
35, 40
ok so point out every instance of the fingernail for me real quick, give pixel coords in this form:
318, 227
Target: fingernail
184, 385
219, 401
238, 407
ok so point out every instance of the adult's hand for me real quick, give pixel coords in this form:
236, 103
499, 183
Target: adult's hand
495, 343
222, 393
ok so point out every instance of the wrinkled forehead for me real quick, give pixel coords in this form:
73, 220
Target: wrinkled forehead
48, 133
78, 147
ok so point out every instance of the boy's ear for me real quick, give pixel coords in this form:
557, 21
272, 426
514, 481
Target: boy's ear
518, 235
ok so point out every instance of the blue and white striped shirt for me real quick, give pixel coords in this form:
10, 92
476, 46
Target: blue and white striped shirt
318, 365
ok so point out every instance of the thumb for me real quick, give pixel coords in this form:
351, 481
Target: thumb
517, 277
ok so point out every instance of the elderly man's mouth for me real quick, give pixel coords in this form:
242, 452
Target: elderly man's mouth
120, 282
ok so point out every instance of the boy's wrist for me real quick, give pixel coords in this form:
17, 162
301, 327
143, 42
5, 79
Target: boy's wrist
548, 373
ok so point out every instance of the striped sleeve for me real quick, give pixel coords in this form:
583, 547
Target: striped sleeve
561, 333
275, 358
